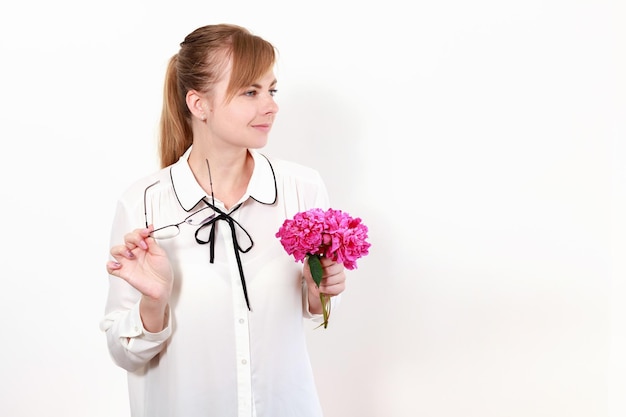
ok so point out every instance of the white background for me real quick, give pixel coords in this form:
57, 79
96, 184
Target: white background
482, 142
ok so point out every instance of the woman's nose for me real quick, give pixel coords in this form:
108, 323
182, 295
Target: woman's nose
271, 106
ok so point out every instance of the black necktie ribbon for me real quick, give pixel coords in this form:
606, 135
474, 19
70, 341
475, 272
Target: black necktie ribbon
212, 222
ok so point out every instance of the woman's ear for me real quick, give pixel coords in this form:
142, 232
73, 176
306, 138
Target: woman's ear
196, 104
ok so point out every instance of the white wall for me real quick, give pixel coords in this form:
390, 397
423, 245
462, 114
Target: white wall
482, 142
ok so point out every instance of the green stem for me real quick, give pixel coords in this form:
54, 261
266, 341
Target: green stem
325, 308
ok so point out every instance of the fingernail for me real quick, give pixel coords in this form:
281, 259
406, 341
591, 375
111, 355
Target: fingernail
143, 244
130, 254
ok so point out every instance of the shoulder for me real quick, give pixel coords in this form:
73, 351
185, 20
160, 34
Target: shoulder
299, 186
153, 181
290, 170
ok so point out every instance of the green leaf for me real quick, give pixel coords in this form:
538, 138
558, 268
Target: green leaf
316, 268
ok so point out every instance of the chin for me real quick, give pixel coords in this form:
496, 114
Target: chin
258, 144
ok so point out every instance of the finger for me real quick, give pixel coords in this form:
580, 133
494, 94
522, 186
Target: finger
331, 266
332, 282
152, 246
121, 251
139, 234
336, 276
326, 262
333, 270
135, 239
113, 267
333, 288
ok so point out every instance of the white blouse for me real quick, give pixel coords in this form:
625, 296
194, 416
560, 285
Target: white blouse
217, 357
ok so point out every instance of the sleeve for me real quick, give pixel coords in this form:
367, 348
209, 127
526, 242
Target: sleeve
129, 344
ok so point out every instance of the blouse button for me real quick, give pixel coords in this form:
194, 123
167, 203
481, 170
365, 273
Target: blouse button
241, 321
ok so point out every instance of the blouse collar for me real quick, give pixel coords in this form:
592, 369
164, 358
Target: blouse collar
262, 186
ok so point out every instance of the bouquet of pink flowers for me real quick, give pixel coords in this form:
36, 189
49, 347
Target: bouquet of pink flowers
332, 233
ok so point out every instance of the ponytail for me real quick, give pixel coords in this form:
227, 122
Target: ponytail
175, 126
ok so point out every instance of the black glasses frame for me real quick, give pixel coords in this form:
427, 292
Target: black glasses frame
187, 219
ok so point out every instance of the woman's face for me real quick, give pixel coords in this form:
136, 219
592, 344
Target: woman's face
246, 120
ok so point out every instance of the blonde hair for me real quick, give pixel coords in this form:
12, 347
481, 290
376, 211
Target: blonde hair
198, 65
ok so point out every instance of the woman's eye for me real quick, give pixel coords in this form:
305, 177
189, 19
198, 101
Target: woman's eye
253, 93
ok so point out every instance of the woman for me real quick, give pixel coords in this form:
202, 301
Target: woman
205, 309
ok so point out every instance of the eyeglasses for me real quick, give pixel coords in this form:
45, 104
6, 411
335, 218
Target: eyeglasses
198, 218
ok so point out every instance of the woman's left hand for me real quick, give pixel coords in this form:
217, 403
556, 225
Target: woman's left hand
333, 278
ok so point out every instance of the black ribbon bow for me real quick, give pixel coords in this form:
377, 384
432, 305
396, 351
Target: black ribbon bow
220, 215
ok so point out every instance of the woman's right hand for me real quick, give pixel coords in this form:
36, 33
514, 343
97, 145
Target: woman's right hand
145, 266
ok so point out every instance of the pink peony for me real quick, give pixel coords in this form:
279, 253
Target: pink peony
332, 233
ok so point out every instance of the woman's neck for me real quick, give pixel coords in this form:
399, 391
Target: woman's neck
225, 175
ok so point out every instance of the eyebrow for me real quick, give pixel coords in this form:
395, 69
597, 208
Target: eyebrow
272, 84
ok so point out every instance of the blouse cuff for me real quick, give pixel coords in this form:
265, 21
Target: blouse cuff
137, 337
